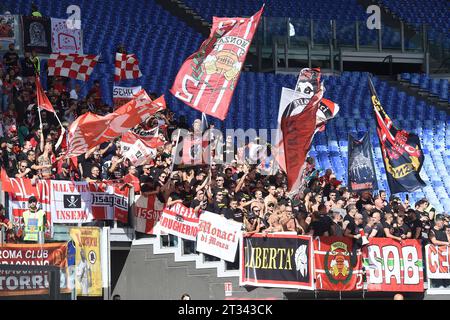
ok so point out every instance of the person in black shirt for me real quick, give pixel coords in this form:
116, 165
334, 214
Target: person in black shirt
177, 195
349, 218
65, 174
401, 229
233, 212
28, 66
366, 198
95, 175
218, 205
11, 58
23, 170
437, 234
200, 201
377, 228
336, 227
220, 180
389, 227
414, 224
317, 227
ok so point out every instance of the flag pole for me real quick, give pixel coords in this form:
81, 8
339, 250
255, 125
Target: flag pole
62, 132
174, 154
204, 121
40, 118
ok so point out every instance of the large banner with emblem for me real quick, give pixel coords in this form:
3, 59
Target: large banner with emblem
18, 283
179, 221
207, 79
218, 236
393, 265
71, 202
337, 265
279, 260
87, 261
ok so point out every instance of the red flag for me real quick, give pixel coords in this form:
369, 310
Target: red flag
6, 182
90, 129
298, 132
42, 100
127, 67
75, 66
207, 79
338, 267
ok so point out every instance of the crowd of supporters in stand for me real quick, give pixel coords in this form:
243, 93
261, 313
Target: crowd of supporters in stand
239, 191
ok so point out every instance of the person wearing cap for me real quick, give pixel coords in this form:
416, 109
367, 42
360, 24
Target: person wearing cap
11, 57
34, 221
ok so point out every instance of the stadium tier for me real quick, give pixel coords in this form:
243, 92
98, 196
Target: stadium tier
434, 13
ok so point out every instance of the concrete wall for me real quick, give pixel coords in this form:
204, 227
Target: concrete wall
149, 276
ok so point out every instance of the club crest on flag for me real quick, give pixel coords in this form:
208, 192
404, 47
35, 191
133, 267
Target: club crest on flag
207, 79
337, 263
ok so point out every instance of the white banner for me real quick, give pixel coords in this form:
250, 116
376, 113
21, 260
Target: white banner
438, 262
218, 236
65, 40
138, 153
71, 202
125, 92
180, 221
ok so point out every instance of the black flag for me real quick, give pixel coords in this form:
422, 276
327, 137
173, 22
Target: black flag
402, 154
361, 170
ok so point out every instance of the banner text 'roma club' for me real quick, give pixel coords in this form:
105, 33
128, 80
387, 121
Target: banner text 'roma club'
207, 79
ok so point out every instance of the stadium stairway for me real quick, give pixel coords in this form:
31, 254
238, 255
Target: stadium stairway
188, 15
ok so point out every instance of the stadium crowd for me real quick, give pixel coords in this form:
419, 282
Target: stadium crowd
255, 195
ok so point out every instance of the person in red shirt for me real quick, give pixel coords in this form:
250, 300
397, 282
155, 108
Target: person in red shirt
132, 179
4, 221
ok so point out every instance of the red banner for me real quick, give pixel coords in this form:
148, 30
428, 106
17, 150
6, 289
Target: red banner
207, 79
14, 283
147, 212
393, 265
337, 266
179, 221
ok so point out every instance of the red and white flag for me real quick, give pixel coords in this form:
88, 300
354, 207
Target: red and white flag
127, 67
294, 137
147, 213
90, 130
207, 79
74, 66
139, 149
42, 99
